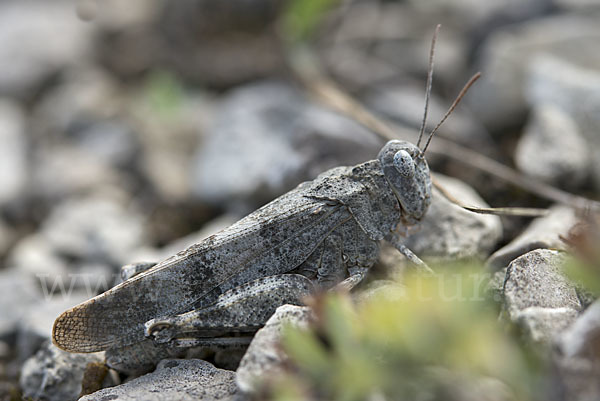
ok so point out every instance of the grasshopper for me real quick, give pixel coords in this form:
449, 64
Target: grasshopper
324, 234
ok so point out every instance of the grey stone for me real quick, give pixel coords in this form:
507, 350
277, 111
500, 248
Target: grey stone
4, 350
538, 296
264, 357
82, 243
473, 13
167, 160
543, 232
89, 118
37, 39
114, 16
391, 262
141, 357
83, 95
574, 89
110, 141
578, 5
130, 44
564, 83
544, 324
495, 284
386, 289
78, 133
404, 104
498, 99
64, 171
13, 158
52, 374
448, 231
582, 339
236, 36
100, 228
579, 379
7, 237
18, 293
174, 379
383, 42
34, 256
229, 358
536, 280
267, 138
552, 149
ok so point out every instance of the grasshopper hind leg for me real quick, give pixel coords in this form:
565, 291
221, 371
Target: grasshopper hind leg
326, 265
140, 357
339, 262
236, 315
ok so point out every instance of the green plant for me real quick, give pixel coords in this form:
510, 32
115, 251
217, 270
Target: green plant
432, 339
301, 17
164, 94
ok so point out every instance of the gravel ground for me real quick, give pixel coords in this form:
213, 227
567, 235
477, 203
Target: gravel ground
131, 130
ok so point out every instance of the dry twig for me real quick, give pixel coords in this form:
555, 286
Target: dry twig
329, 93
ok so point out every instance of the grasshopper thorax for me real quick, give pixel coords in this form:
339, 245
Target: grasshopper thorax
407, 172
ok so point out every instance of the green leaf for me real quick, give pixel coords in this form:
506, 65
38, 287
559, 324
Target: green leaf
302, 16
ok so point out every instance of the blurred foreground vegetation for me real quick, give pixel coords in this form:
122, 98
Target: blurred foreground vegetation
435, 338
584, 242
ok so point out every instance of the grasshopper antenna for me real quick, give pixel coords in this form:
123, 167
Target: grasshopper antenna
429, 82
451, 109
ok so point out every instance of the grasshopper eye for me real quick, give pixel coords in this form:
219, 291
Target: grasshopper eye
404, 163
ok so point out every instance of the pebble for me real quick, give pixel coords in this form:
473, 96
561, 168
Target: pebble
552, 148
37, 39
64, 172
538, 296
7, 237
79, 130
237, 37
404, 103
266, 139
544, 324
86, 154
385, 42
167, 160
380, 289
578, 5
81, 244
473, 14
543, 232
499, 98
578, 379
13, 156
140, 357
574, 89
98, 228
35, 257
14, 281
264, 357
174, 379
55, 375
583, 337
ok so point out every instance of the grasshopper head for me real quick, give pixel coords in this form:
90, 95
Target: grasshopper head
407, 172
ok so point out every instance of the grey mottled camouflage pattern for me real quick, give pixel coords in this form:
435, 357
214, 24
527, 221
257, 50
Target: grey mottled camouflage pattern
322, 233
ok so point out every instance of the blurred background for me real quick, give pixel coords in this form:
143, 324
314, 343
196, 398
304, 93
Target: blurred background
126, 127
